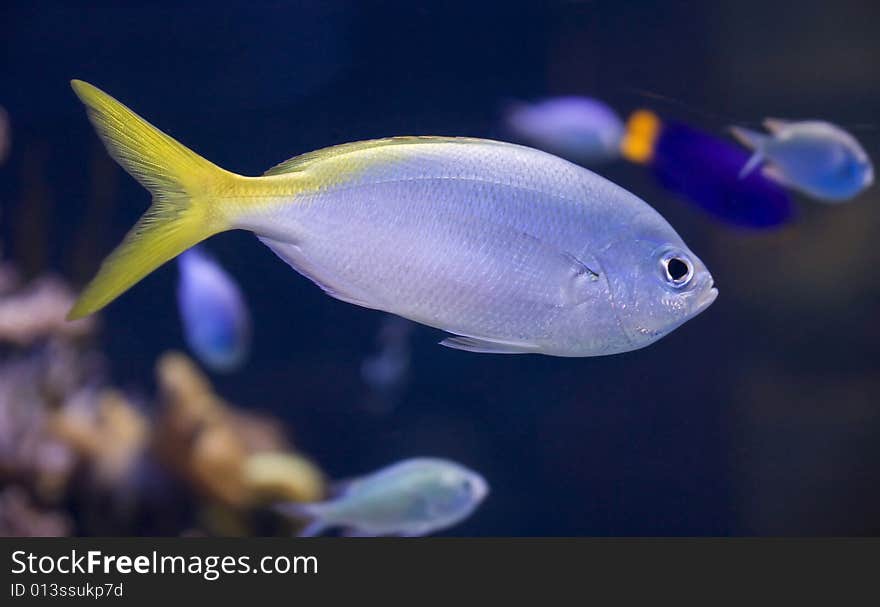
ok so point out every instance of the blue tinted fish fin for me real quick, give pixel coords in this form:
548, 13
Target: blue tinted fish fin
774, 125
756, 159
754, 141
487, 346
749, 138
309, 512
774, 174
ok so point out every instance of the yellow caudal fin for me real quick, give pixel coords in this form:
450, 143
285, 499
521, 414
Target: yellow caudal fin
185, 190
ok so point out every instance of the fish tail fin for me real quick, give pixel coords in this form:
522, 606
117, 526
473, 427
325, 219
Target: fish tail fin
185, 189
312, 513
640, 137
754, 141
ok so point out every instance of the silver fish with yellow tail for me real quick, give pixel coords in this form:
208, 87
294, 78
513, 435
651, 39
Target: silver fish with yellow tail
509, 249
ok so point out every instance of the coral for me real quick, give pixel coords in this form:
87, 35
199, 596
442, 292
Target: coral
109, 433
235, 459
38, 312
276, 476
29, 453
78, 456
20, 517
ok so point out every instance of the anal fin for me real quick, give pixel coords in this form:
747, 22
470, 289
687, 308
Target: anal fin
754, 160
773, 173
754, 141
487, 346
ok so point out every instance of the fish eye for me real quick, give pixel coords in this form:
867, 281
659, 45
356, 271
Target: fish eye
679, 270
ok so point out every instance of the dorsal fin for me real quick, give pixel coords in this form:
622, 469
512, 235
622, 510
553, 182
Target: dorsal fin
303, 161
774, 125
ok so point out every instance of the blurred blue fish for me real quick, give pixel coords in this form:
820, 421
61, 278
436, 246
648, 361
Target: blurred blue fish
816, 158
414, 497
581, 129
387, 370
705, 170
216, 320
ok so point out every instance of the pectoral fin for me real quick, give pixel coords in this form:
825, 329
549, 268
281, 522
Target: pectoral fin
756, 159
577, 286
774, 125
774, 174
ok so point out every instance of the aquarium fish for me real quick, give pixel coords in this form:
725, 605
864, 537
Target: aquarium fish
216, 321
816, 158
414, 497
508, 248
704, 171
581, 129
386, 371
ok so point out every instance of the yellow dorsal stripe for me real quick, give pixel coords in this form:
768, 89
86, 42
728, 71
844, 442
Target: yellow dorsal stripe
304, 161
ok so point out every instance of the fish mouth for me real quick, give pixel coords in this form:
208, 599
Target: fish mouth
481, 489
707, 298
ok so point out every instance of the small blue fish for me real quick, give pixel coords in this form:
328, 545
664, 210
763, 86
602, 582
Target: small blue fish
578, 128
414, 497
704, 170
816, 158
386, 371
215, 318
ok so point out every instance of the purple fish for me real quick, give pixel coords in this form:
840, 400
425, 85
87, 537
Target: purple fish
705, 170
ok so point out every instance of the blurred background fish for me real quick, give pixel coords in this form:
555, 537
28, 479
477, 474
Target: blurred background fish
581, 129
413, 497
814, 157
386, 371
215, 317
704, 170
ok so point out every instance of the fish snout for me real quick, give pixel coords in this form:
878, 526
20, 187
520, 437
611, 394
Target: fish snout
868, 179
708, 295
479, 488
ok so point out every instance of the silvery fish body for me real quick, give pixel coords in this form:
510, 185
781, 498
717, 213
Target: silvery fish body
511, 249
814, 157
414, 497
